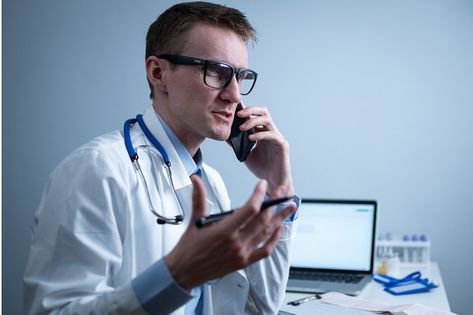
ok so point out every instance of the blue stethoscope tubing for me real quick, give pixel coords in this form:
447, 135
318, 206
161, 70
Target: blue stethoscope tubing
391, 284
391, 281
133, 154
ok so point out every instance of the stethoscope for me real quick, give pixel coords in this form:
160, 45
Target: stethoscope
178, 219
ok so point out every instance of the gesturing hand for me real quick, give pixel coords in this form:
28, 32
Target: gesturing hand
233, 243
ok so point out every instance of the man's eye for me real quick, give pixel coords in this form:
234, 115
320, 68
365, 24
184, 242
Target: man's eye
213, 69
217, 70
246, 75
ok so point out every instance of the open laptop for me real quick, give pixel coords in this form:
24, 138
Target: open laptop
333, 249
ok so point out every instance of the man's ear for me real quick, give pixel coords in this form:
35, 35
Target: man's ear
155, 73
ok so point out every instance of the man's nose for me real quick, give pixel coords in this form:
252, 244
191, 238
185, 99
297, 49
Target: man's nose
231, 92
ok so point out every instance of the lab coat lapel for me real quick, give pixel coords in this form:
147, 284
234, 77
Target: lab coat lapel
185, 196
181, 180
172, 233
179, 174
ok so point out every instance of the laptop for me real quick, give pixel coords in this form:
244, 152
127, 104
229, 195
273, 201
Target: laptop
333, 248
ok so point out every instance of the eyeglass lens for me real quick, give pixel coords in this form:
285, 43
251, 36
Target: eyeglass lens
219, 75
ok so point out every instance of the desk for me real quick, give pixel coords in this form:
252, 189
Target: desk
436, 299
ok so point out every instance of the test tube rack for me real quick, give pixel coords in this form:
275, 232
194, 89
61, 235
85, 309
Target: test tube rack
415, 254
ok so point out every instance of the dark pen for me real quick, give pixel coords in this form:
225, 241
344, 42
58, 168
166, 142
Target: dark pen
204, 221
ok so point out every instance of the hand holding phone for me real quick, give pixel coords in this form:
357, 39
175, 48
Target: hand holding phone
239, 140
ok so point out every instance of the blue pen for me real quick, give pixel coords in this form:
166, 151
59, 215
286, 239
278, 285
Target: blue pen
204, 221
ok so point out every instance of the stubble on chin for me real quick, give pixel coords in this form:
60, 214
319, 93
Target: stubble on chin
220, 135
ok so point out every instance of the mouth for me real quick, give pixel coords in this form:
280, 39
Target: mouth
222, 114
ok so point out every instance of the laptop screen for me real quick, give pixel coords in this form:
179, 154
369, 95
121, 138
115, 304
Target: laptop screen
335, 234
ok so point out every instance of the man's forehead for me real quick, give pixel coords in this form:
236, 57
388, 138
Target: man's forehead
212, 42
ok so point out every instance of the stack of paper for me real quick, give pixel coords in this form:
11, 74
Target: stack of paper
338, 303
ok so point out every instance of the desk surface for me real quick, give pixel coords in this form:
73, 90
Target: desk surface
436, 298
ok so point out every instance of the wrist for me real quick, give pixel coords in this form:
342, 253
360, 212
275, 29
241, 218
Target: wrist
285, 188
178, 272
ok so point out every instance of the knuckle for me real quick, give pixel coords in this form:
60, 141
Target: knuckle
266, 223
285, 143
238, 250
241, 258
230, 239
253, 209
266, 251
269, 229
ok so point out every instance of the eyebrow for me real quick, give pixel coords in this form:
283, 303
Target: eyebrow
206, 53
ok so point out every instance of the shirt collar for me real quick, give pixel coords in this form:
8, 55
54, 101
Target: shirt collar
190, 164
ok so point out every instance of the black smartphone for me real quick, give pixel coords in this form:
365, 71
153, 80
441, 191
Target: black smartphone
239, 140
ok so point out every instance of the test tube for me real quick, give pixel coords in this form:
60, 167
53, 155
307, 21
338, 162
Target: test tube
380, 249
407, 250
423, 256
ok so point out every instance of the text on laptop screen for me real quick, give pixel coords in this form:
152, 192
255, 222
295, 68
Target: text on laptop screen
334, 236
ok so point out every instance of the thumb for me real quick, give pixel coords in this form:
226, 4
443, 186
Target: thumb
198, 198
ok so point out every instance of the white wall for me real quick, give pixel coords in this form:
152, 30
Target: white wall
375, 98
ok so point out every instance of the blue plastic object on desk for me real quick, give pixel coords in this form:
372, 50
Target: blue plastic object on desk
412, 283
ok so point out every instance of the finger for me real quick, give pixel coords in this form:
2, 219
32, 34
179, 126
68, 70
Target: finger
266, 135
285, 212
249, 210
260, 228
243, 105
255, 111
268, 247
257, 122
198, 198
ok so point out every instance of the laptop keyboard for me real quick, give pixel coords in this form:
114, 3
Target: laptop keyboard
325, 276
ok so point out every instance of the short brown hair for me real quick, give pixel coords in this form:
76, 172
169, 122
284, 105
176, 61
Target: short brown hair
165, 35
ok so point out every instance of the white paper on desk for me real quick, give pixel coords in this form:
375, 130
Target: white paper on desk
416, 309
319, 308
354, 302
340, 299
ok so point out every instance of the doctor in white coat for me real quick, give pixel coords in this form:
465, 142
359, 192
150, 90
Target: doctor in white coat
96, 247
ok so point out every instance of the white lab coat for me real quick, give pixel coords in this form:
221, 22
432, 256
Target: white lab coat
93, 232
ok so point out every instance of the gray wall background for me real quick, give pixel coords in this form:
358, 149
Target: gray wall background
375, 97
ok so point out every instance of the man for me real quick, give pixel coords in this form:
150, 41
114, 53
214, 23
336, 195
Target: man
96, 247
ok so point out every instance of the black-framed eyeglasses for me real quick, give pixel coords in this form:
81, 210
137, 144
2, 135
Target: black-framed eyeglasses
218, 74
